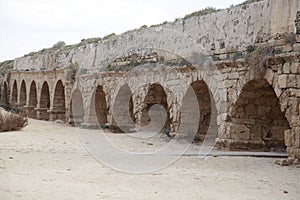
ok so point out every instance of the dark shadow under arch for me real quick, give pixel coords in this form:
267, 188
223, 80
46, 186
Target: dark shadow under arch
207, 109
44, 102
23, 94
100, 105
257, 118
14, 94
123, 116
156, 95
4, 95
32, 104
59, 107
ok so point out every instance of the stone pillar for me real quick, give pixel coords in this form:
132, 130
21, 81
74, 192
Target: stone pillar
42, 113
292, 141
57, 115
234, 137
297, 25
138, 101
68, 97
30, 111
90, 119
289, 83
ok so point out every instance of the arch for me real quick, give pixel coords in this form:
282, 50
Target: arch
32, 103
14, 94
22, 94
32, 94
257, 118
76, 108
59, 107
100, 105
4, 96
123, 116
207, 109
44, 102
155, 95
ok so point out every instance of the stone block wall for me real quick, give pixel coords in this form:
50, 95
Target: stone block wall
251, 98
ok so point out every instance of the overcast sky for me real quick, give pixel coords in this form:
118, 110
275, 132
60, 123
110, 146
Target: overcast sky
31, 25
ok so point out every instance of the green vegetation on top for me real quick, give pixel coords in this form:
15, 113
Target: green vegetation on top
6, 66
249, 1
109, 36
61, 47
202, 12
210, 10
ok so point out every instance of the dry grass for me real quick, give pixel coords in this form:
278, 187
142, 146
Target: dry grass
11, 121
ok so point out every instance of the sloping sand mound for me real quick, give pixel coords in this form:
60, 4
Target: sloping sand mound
11, 122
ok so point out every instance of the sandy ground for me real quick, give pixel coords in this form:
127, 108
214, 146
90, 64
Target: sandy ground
48, 161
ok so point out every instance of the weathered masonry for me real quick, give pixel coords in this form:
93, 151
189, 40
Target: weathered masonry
253, 76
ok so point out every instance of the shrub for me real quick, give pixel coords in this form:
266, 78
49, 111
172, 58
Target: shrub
110, 68
104, 126
250, 49
237, 55
156, 25
109, 36
144, 26
6, 67
249, 1
89, 41
204, 11
133, 63
82, 71
277, 51
11, 121
59, 45
257, 58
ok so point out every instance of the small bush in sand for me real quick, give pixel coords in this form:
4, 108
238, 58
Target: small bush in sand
11, 121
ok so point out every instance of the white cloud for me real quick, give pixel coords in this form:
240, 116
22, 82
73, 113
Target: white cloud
35, 24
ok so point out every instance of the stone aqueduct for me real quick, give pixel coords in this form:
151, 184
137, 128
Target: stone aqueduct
256, 109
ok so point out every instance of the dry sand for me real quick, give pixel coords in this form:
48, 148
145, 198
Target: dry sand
47, 161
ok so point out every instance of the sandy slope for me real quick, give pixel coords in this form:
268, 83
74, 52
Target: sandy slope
47, 161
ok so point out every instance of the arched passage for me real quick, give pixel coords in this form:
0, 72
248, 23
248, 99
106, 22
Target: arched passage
100, 105
77, 109
156, 95
14, 94
123, 116
23, 94
59, 107
44, 102
4, 96
257, 118
32, 104
207, 109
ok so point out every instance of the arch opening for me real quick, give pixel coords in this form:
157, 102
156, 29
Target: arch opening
156, 96
23, 94
76, 109
14, 95
44, 102
59, 107
101, 110
32, 104
257, 118
4, 96
123, 116
207, 110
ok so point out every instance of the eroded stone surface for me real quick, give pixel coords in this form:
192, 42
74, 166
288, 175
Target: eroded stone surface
256, 98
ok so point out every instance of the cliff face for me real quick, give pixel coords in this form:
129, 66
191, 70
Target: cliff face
223, 31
